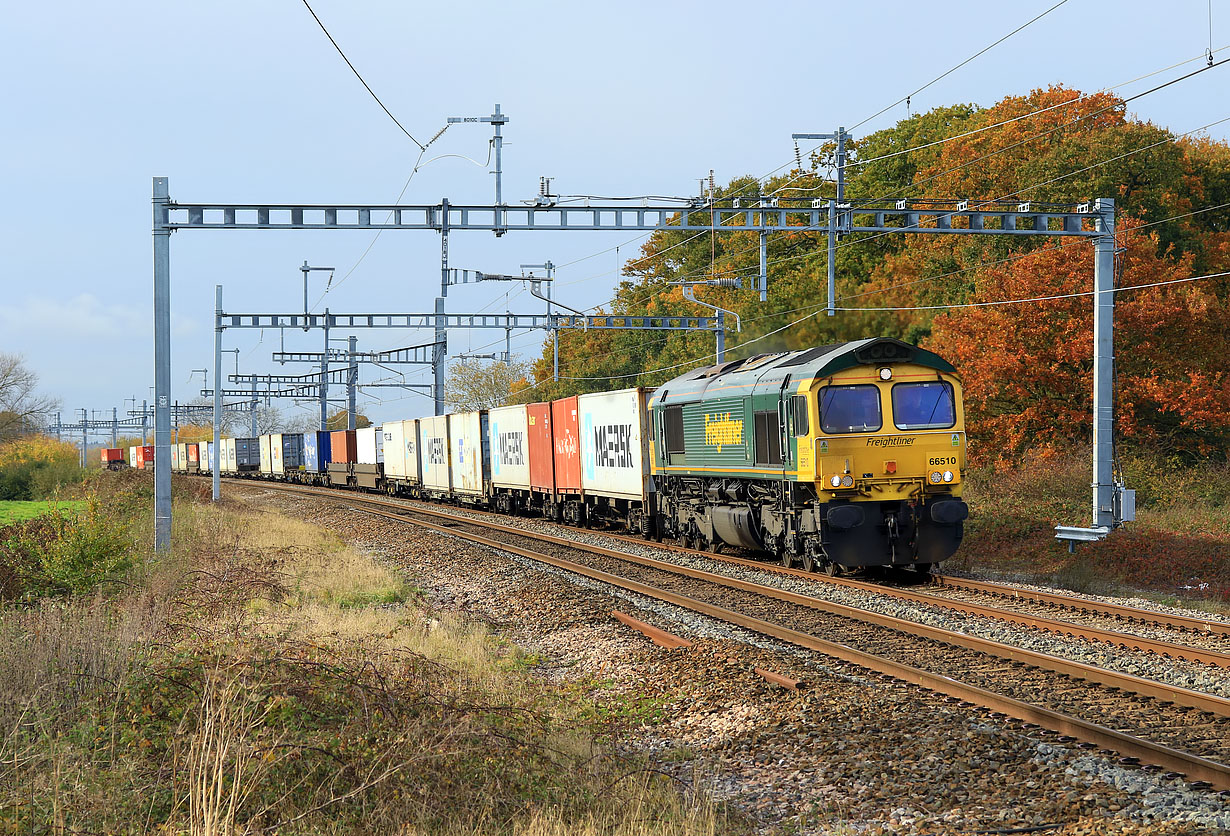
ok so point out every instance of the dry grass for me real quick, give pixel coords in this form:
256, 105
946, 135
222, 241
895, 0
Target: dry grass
269, 678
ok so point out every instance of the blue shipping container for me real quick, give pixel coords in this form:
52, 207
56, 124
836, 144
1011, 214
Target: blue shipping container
317, 451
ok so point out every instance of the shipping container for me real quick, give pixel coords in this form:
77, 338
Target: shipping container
401, 451
343, 446
132, 457
227, 457
292, 452
507, 430
203, 461
146, 455
433, 454
266, 455
614, 444
112, 455
194, 453
370, 444
542, 448
247, 455
316, 449
470, 453
275, 454
175, 448
565, 438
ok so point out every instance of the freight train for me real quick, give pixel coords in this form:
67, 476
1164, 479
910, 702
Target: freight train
833, 458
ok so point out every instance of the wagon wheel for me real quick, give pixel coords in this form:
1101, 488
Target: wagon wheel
784, 554
716, 545
809, 560
831, 569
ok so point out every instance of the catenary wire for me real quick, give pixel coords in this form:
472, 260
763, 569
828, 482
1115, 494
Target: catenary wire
366, 86
967, 163
945, 74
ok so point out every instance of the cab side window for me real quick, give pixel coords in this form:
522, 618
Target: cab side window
798, 405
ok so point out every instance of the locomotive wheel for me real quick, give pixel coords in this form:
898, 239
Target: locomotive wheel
787, 559
716, 545
832, 569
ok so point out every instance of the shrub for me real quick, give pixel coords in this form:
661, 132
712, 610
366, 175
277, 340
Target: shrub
33, 467
62, 553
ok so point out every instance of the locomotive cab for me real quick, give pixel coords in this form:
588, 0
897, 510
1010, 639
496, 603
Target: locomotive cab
889, 446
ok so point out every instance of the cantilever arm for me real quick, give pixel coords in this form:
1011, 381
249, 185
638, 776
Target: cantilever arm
690, 295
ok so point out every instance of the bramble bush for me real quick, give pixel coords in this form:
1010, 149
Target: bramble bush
64, 552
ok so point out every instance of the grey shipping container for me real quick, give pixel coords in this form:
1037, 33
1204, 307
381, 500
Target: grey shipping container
292, 451
247, 454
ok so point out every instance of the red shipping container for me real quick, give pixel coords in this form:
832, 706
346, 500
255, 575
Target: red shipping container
194, 454
541, 446
145, 456
567, 440
112, 454
345, 446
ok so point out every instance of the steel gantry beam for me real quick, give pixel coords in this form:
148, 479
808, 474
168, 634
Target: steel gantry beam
409, 355
504, 320
944, 217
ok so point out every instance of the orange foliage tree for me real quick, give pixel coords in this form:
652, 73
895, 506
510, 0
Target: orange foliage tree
1027, 368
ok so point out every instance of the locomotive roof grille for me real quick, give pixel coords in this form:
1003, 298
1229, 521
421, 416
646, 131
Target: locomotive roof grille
825, 360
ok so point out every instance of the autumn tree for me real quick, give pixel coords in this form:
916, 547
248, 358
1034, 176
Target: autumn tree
340, 419
22, 407
475, 384
1027, 368
32, 466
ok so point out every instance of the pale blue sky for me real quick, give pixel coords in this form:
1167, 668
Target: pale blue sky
247, 101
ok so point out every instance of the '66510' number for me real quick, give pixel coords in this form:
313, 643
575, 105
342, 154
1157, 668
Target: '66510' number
940, 461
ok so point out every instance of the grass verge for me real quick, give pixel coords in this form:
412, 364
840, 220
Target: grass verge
15, 511
265, 677
1177, 550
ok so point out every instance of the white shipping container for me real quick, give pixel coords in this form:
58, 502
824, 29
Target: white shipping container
614, 443
509, 443
175, 448
203, 452
469, 457
370, 443
266, 455
228, 455
132, 456
433, 454
275, 450
401, 450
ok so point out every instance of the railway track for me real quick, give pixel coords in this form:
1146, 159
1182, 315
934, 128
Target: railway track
1102, 709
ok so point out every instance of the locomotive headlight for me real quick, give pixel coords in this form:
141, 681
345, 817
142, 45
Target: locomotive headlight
947, 475
935, 477
847, 481
886, 373
835, 481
